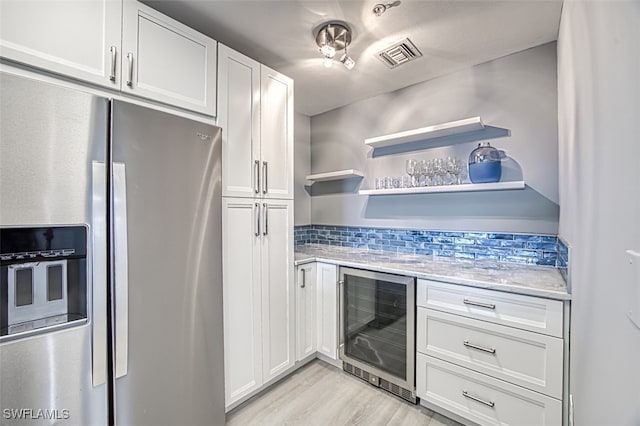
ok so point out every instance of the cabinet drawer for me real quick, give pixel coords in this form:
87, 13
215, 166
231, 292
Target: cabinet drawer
521, 357
515, 310
482, 399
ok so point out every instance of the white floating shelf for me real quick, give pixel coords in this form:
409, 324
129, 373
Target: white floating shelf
337, 175
465, 187
430, 132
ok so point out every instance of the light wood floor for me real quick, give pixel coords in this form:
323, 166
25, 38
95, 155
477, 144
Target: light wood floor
322, 395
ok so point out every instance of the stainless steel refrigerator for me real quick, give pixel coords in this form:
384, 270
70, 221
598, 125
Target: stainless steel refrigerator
110, 250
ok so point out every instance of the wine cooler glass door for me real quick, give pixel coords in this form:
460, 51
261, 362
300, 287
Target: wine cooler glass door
378, 323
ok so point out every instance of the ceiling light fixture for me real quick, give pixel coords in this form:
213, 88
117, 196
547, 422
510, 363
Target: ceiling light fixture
331, 38
381, 8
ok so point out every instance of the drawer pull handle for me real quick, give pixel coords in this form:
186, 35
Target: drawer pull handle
482, 401
480, 304
480, 348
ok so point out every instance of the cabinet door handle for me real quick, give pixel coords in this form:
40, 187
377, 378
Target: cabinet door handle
475, 398
480, 348
114, 52
304, 278
265, 207
480, 304
264, 177
130, 79
257, 206
256, 177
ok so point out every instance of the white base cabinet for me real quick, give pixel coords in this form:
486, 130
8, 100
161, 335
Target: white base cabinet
327, 310
490, 357
258, 294
123, 45
305, 311
317, 312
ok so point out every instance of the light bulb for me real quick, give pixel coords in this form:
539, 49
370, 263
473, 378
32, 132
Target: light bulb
347, 61
328, 51
327, 62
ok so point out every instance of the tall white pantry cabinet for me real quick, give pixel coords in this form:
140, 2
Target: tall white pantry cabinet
255, 110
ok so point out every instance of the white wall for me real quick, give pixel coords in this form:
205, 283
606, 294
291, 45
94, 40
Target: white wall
518, 92
302, 167
599, 145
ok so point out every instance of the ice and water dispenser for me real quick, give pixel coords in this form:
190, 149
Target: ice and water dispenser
43, 277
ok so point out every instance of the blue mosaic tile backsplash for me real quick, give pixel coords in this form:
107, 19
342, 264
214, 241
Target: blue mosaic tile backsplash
563, 259
503, 247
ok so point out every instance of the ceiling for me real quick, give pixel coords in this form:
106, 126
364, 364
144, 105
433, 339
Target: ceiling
451, 34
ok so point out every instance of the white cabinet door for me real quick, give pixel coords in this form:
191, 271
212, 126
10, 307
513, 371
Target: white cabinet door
278, 310
167, 61
276, 133
305, 311
239, 117
79, 39
242, 298
327, 310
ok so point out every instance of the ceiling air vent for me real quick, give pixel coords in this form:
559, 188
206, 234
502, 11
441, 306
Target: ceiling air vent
399, 53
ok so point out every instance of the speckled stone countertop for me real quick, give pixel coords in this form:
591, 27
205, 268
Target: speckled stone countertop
533, 280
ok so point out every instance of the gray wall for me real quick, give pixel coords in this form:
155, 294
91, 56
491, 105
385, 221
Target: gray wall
302, 167
599, 107
518, 92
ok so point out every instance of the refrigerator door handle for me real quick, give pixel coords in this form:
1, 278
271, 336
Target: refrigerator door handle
121, 269
99, 277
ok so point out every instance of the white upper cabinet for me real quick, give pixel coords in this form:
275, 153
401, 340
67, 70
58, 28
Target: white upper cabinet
255, 112
122, 45
166, 61
276, 133
79, 39
239, 117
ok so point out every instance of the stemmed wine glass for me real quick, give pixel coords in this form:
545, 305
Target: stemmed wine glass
440, 170
429, 172
454, 168
411, 167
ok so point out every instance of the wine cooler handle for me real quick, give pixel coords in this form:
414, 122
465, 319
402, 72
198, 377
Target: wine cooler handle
340, 315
